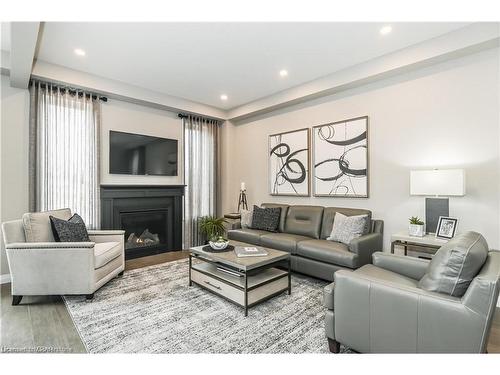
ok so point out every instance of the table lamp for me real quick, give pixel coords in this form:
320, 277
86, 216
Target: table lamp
439, 183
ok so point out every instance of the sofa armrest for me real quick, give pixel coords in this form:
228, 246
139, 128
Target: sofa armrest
328, 296
51, 268
105, 232
414, 268
99, 236
50, 245
367, 320
365, 246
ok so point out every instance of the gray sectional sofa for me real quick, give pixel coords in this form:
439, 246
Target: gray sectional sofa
303, 231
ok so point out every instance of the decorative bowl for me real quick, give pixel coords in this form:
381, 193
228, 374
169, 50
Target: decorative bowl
218, 245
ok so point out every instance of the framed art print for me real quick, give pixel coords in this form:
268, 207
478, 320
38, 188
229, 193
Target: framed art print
446, 228
340, 159
289, 163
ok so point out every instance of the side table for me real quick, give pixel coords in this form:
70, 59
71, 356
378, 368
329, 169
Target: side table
428, 244
233, 221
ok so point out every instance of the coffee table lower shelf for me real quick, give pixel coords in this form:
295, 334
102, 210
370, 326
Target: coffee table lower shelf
245, 289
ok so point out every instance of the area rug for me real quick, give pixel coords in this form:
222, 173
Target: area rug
153, 310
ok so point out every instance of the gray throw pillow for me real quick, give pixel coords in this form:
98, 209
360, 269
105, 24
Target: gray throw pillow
266, 218
72, 230
455, 264
346, 228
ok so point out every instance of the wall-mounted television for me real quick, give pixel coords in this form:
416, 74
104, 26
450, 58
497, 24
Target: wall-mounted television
138, 154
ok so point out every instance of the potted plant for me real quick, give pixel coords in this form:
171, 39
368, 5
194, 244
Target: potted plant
213, 228
416, 227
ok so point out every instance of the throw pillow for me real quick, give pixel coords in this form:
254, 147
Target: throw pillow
37, 227
72, 230
346, 228
267, 219
455, 264
246, 218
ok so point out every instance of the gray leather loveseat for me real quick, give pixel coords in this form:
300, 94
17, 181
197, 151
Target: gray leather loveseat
303, 231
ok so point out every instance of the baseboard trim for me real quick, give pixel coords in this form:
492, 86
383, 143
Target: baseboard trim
5, 279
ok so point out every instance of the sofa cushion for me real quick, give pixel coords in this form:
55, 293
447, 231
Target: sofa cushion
347, 228
282, 241
383, 275
328, 252
267, 219
105, 252
37, 226
284, 211
247, 235
329, 216
72, 230
455, 264
304, 220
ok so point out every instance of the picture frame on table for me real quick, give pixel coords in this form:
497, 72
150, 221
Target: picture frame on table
446, 228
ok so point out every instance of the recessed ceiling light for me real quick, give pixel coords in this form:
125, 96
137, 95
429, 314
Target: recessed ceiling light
283, 73
79, 52
385, 30
223, 97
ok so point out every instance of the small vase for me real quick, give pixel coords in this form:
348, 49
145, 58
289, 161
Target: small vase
416, 230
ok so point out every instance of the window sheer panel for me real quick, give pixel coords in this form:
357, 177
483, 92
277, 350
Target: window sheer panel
66, 152
200, 175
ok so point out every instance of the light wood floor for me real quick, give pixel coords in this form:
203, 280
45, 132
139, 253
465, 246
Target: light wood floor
44, 323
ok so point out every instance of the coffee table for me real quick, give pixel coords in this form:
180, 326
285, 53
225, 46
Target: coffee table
244, 281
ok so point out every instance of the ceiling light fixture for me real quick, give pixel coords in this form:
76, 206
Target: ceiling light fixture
223, 97
79, 52
385, 30
283, 73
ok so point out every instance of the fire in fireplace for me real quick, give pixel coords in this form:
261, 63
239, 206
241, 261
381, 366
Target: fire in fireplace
145, 239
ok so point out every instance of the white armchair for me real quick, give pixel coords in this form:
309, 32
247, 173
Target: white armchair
60, 268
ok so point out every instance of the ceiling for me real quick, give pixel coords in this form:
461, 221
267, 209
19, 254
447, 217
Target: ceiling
202, 61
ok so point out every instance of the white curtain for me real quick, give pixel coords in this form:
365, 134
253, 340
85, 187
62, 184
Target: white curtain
201, 174
64, 151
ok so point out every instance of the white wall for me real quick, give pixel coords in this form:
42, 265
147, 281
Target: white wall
132, 118
438, 117
14, 157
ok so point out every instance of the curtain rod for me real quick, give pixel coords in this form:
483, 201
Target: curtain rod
184, 115
70, 90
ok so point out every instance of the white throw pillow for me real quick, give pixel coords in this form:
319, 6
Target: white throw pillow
246, 218
346, 228
37, 227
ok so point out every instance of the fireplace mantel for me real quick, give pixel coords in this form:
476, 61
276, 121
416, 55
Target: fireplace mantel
120, 200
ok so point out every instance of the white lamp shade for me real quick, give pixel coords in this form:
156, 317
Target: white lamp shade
445, 182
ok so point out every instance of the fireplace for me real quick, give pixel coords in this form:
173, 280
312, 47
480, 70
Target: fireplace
145, 228
151, 217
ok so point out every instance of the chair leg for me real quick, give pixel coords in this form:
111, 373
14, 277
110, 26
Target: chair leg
16, 300
89, 296
334, 346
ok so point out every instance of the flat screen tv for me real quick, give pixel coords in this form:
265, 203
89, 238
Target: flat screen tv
137, 154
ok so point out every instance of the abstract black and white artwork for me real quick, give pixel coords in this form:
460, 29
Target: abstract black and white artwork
289, 163
340, 159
